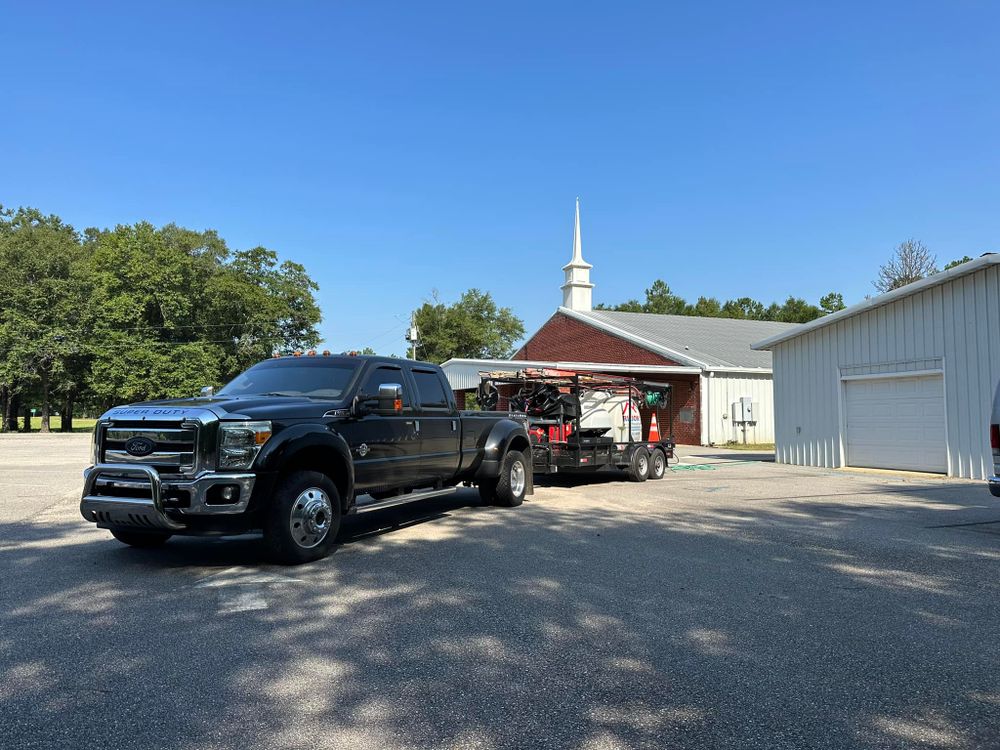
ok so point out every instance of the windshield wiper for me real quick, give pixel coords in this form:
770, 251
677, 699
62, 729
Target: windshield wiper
279, 393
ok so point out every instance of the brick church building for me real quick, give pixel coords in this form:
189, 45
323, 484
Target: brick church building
707, 361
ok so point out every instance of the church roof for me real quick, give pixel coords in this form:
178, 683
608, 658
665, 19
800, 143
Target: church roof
709, 343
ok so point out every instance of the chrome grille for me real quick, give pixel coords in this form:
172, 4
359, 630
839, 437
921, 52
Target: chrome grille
174, 452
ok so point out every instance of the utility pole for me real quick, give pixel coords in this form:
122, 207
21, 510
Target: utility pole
413, 336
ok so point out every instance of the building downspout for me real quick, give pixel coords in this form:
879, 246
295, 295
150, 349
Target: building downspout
705, 399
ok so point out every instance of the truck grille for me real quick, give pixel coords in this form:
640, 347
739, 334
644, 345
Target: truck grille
174, 447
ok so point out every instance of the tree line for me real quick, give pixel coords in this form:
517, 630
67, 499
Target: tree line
909, 262
103, 316
661, 300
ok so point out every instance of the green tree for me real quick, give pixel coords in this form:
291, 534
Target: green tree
632, 305
706, 307
744, 307
474, 327
960, 261
135, 312
832, 302
190, 310
795, 310
42, 301
659, 300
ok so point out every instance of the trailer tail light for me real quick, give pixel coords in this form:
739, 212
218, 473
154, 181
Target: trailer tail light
995, 438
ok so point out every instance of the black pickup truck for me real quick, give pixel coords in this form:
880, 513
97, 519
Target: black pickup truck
292, 445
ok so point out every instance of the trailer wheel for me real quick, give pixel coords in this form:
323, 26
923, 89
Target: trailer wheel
657, 464
638, 469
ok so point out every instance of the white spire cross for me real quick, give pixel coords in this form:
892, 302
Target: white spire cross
577, 291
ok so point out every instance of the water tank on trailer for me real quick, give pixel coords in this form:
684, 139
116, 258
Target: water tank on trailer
610, 412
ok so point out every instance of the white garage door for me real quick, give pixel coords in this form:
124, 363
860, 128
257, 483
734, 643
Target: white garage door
896, 423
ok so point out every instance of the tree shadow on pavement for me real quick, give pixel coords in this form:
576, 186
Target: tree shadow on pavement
841, 623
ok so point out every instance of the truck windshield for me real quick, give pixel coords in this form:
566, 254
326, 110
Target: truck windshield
310, 378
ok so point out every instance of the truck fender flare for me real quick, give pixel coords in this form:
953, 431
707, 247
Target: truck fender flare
311, 440
505, 435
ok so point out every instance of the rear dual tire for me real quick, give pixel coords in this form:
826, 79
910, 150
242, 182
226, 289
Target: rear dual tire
510, 487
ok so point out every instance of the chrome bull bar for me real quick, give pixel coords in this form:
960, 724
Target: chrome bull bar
138, 512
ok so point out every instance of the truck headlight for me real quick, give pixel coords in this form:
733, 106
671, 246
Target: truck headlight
240, 442
95, 448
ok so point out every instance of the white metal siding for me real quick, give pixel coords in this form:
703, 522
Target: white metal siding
954, 326
726, 387
895, 423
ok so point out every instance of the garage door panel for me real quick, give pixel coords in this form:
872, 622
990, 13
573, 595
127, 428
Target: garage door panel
896, 423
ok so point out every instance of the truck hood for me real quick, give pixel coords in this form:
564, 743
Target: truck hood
225, 407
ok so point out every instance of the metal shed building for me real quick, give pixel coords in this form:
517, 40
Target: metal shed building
904, 380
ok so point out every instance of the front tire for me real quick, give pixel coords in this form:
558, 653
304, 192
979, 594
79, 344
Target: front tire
638, 470
140, 539
303, 520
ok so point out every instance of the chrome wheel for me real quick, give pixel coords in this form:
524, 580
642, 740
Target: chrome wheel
311, 517
642, 465
517, 478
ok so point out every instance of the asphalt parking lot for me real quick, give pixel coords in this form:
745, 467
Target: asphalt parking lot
736, 603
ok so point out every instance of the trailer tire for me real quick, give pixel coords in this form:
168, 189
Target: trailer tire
512, 484
657, 464
638, 469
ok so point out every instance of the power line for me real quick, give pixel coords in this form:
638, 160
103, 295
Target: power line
186, 325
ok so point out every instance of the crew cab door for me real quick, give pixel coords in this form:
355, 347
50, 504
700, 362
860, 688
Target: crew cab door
439, 423
385, 449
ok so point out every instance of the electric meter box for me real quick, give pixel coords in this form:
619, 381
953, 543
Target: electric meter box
744, 410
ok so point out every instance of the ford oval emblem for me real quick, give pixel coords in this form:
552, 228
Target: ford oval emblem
139, 446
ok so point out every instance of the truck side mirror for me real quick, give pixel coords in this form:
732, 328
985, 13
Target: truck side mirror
390, 399
207, 391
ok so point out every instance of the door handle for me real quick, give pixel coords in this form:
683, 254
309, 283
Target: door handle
454, 425
416, 425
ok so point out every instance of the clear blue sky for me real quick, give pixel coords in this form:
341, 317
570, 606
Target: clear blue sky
732, 148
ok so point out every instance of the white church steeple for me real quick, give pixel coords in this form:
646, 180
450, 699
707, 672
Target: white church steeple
577, 291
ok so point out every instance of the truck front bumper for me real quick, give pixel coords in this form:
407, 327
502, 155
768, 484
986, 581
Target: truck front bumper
994, 483
131, 495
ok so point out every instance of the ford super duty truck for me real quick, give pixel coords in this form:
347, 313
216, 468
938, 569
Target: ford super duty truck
291, 446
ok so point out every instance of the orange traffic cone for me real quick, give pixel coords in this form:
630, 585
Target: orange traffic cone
654, 430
